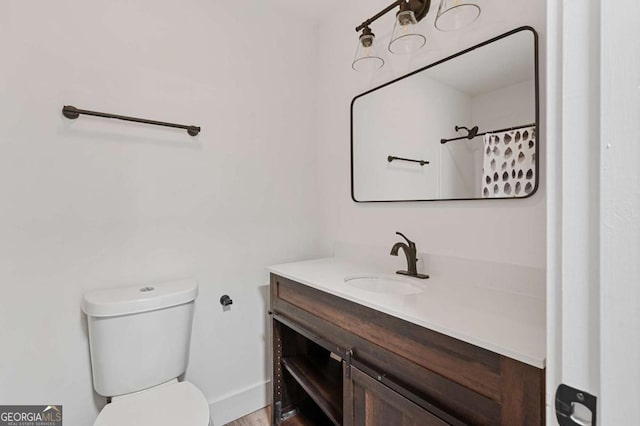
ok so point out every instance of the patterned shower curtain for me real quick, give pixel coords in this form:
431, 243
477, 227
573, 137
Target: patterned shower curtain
509, 164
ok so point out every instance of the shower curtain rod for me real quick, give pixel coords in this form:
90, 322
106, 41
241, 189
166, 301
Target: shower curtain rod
72, 113
443, 141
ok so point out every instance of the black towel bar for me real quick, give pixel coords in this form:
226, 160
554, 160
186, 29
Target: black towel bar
72, 113
392, 158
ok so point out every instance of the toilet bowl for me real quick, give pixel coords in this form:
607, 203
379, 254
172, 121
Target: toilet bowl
139, 340
176, 403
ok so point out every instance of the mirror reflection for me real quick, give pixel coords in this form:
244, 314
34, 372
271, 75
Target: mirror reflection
464, 128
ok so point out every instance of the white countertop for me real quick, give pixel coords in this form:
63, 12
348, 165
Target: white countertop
469, 307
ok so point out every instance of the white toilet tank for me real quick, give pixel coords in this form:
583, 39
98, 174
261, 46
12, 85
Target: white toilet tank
139, 336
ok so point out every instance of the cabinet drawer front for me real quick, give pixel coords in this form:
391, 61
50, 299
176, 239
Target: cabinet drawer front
374, 404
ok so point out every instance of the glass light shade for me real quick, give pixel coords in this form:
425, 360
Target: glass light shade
456, 14
367, 58
405, 39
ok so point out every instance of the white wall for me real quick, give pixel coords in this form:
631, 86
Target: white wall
504, 107
95, 203
516, 228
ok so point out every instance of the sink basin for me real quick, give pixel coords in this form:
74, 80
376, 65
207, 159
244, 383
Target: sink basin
383, 284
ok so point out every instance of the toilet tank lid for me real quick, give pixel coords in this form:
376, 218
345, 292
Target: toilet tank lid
140, 298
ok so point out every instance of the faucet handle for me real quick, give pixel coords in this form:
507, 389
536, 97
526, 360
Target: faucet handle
412, 245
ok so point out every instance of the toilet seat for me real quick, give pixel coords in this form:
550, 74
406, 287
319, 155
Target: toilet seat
179, 403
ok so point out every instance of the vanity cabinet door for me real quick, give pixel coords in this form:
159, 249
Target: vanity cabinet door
371, 403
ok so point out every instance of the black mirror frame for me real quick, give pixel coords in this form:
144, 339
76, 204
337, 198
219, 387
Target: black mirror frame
537, 121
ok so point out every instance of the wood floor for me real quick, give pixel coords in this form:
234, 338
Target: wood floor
257, 418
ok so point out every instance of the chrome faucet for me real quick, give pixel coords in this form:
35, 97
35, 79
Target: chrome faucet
411, 254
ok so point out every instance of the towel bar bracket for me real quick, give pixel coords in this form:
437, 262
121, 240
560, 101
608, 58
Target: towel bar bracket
70, 112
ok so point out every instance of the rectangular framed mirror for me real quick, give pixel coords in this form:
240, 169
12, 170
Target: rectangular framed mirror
463, 128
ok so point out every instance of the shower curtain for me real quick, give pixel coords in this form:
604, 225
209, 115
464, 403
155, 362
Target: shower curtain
509, 164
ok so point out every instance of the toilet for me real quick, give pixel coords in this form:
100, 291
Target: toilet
139, 340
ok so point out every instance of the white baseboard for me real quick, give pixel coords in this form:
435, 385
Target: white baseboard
240, 403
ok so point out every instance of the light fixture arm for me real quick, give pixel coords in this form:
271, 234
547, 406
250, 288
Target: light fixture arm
420, 9
378, 15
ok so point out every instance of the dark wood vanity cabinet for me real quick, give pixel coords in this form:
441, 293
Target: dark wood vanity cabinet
338, 362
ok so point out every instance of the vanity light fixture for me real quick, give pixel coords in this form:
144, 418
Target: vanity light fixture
455, 14
452, 15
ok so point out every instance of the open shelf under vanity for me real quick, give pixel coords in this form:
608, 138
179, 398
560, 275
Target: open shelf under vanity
322, 381
312, 378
